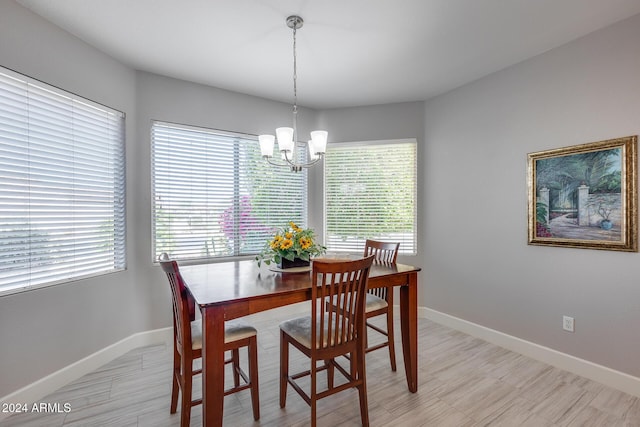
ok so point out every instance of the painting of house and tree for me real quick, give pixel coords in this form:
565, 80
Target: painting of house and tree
584, 196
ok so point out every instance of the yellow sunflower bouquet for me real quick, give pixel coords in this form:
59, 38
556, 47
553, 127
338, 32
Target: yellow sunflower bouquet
290, 243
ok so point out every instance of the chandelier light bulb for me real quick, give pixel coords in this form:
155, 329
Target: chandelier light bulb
319, 138
285, 139
266, 145
312, 151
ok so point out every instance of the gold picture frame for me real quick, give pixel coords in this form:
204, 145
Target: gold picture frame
585, 196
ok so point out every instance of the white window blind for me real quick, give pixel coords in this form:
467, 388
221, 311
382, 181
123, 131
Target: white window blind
370, 193
214, 196
61, 185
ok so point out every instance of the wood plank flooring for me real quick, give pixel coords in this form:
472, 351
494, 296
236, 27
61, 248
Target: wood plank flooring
463, 382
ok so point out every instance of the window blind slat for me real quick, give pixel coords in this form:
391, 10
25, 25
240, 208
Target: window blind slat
61, 185
370, 193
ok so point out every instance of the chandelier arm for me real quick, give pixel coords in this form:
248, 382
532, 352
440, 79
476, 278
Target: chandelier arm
301, 165
294, 166
290, 164
311, 163
274, 163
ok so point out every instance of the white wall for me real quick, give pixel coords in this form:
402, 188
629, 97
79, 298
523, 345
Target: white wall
47, 329
477, 263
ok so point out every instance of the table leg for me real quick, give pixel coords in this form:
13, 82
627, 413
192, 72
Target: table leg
212, 366
409, 326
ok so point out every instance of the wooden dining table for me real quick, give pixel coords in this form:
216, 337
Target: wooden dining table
229, 290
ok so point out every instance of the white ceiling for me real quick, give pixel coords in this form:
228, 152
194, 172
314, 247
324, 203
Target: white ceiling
350, 52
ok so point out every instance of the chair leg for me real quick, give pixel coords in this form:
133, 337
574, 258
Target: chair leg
235, 363
187, 383
330, 372
362, 390
352, 366
313, 412
253, 376
313, 395
364, 410
366, 335
284, 368
390, 337
175, 387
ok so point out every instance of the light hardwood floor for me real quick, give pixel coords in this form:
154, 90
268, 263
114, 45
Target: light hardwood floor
463, 382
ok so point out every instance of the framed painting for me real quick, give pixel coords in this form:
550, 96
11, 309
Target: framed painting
585, 196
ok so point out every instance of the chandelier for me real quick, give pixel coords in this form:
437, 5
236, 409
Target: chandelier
288, 137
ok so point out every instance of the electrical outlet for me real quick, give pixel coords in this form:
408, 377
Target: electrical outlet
567, 323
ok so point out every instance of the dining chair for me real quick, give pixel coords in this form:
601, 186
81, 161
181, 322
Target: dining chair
380, 300
327, 334
187, 347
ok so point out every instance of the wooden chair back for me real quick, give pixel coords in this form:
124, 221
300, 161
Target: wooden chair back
344, 281
385, 253
183, 306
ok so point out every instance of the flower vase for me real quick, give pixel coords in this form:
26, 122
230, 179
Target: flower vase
297, 262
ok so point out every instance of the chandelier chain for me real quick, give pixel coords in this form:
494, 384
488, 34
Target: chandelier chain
295, 90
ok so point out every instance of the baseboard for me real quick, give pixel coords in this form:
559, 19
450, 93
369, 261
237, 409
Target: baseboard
607, 376
34, 392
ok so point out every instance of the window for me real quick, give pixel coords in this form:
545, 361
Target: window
61, 185
370, 192
214, 196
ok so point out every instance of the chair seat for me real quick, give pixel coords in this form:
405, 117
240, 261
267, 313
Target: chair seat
300, 330
233, 331
374, 303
